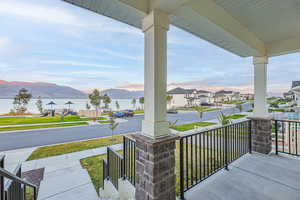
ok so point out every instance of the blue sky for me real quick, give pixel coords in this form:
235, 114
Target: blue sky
53, 41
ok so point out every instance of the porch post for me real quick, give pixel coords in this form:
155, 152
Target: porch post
260, 87
261, 126
155, 146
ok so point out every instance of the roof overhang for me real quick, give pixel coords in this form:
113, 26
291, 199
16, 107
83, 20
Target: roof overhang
245, 28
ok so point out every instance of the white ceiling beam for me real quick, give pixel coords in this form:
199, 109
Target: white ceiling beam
141, 5
221, 18
168, 6
283, 47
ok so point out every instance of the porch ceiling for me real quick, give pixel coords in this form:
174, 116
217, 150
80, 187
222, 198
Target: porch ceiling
245, 28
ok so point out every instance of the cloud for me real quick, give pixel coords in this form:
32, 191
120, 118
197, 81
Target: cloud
38, 12
77, 63
131, 86
8, 48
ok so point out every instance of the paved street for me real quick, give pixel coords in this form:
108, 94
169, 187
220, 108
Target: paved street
26, 139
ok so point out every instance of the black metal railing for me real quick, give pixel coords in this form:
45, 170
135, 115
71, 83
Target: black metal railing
129, 148
14, 188
203, 154
286, 137
115, 166
104, 171
2, 158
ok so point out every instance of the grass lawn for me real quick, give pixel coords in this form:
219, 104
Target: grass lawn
41, 126
237, 116
94, 167
234, 102
39, 120
60, 149
190, 126
139, 112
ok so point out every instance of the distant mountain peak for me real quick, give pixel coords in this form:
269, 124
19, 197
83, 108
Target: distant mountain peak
115, 93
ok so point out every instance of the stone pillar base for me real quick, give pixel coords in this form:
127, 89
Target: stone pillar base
261, 130
155, 168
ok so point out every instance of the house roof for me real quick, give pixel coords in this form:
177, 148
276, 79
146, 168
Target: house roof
223, 92
180, 90
295, 84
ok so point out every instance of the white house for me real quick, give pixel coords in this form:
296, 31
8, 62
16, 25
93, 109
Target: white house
224, 95
189, 97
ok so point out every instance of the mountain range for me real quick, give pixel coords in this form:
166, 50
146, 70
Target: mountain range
44, 90
8, 90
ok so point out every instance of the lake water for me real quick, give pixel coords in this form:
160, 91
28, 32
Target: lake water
79, 104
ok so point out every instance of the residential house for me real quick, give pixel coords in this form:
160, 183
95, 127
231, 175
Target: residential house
224, 95
189, 97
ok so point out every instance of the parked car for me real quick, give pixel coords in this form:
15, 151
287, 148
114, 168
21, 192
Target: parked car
129, 113
118, 114
172, 111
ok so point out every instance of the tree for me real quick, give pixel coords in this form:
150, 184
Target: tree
21, 100
95, 99
133, 102
142, 101
169, 99
200, 111
87, 106
117, 105
39, 105
106, 101
239, 107
223, 119
112, 124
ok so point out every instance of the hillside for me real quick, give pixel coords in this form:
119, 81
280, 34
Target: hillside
122, 94
44, 90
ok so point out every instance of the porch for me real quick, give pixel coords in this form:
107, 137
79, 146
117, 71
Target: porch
254, 176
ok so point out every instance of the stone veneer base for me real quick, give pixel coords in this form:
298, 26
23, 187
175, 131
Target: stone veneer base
155, 168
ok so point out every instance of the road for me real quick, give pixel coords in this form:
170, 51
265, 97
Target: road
26, 139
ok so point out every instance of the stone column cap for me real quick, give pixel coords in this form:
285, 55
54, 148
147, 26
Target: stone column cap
149, 140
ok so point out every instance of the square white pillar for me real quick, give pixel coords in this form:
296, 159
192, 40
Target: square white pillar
260, 87
155, 27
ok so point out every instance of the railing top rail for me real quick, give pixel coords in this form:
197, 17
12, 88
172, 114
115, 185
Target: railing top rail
15, 178
115, 152
2, 157
287, 120
129, 138
213, 129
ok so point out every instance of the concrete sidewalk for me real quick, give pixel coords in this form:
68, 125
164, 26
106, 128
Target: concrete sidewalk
64, 177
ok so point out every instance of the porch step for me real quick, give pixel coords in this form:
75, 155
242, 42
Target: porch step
67, 184
126, 191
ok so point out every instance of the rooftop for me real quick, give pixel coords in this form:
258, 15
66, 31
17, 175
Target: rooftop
254, 176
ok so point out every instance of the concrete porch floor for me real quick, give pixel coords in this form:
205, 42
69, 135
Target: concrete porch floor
254, 176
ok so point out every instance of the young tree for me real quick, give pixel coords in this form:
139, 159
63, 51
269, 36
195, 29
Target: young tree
106, 101
239, 107
39, 105
21, 100
112, 124
95, 99
117, 105
200, 111
87, 106
223, 119
133, 102
169, 99
142, 101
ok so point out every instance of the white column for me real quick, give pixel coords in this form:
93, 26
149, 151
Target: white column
155, 27
260, 87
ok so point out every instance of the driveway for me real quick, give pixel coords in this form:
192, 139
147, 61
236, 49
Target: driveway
26, 139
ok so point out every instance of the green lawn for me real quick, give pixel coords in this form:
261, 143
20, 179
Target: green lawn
60, 149
40, 120
41, 126
236, 116
234, 102
190, 126
139, 112
94, 167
